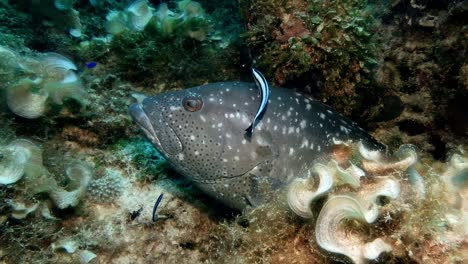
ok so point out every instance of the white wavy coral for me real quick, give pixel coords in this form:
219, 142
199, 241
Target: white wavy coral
301, 194
54, 78
24, 101
79, 175
337, 179
15, 157
332, 236
139, 14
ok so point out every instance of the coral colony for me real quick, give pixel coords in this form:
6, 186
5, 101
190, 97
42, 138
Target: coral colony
113, 148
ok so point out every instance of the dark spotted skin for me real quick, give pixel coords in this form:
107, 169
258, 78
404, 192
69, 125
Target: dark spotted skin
210, 145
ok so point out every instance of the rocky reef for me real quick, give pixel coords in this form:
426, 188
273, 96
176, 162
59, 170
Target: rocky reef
78, 181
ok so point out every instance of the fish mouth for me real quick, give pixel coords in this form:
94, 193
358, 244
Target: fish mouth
163, 137
141, 119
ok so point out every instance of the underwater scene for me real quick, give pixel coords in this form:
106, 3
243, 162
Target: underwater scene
233, 131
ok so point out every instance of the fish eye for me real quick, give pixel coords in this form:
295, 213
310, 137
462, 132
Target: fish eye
192, 104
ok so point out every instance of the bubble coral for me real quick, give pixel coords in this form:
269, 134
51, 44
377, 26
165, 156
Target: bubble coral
107, 187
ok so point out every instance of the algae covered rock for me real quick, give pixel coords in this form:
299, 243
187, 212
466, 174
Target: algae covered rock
329, 44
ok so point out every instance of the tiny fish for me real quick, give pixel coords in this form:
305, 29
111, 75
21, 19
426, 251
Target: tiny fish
156, 205
201, 132
262, 84
91, 64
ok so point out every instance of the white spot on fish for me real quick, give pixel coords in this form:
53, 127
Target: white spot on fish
253, 155
275, 128
305, 143
196, 153
228, 135
322, 115
192, 137
245, 120
290, 130
202, 118
303, 124
180, 156
329, 111
236, 158
211, 99
220, 124
308, 107
297, 130
244, 141
291, 151
174, 108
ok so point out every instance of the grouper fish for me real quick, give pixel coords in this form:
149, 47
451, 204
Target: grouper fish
201, 132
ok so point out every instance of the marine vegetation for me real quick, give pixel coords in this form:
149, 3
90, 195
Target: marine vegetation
165, 45
33, 82
188, 20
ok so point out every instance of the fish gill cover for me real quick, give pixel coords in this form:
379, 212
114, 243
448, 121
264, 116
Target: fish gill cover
79, 183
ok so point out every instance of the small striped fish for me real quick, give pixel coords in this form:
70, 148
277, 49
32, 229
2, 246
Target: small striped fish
262, 85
